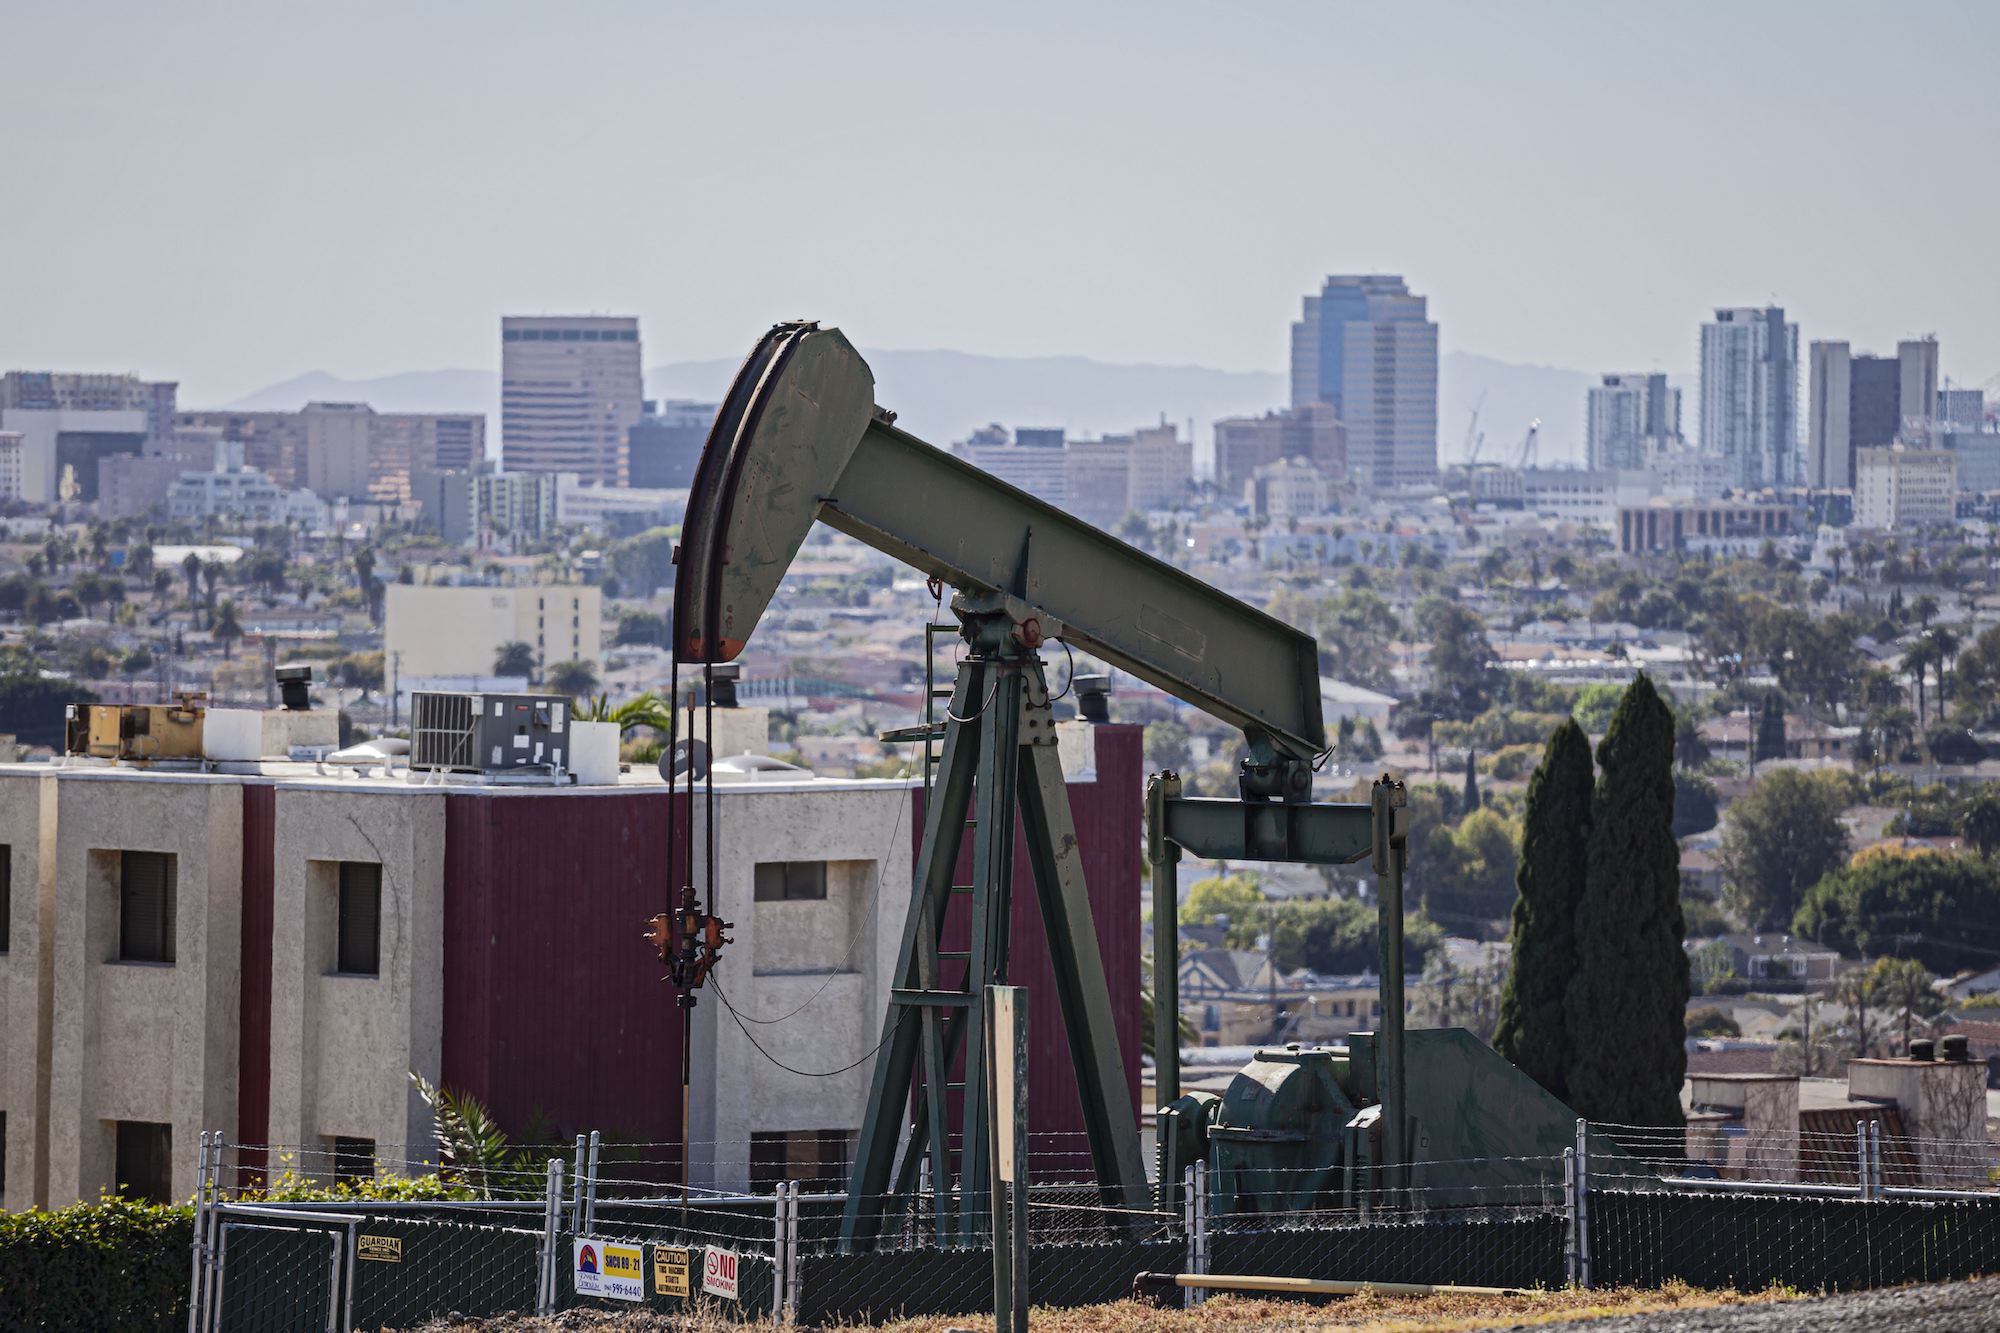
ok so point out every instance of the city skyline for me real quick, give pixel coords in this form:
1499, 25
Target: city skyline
364, 250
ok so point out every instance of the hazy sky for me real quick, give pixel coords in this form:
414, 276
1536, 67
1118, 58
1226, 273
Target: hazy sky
230, 195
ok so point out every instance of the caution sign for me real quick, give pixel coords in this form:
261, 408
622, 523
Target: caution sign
382, 1249
718, 1273
603, 1268
670, 1271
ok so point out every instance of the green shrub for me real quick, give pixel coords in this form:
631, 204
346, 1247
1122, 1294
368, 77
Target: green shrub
112, 1264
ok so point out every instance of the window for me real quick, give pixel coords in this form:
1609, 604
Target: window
353, 1159
145, 1161
6, 897
1211, 1018
145, 907
358, 934
791, 881
816, 1158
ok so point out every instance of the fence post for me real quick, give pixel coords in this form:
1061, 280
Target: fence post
545, 1296
1861, 1172
216, 1242
197, 1258
576, 1189
1875, 1157
793, 1279
590, 1190
1583, 1204
1199, 1191
1570, 1274
780, 1199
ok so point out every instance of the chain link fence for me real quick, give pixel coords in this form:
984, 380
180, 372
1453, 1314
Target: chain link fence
597, 1227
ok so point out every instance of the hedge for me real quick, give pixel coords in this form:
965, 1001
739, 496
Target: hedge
114, 1264
125, 1265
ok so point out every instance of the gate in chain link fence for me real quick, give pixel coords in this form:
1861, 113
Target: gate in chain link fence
1587, 1218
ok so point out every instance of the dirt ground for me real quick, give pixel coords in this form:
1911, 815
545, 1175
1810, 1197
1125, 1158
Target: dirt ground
1368, 1313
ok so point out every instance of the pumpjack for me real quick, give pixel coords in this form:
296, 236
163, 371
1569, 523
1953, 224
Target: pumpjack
798, 440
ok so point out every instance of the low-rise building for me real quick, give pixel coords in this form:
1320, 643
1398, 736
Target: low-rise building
271, 949
1673, 525
1288, 488
1905, 490
457, 631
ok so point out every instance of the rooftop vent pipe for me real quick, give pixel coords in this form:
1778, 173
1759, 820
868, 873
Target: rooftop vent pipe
1955, 1048
723, 677
1093, 698
293, 682
1923, 1049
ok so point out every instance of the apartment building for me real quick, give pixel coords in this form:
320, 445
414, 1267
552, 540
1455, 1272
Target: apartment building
1311, 432
454, 632
571, 390
1905, 490
69, 423
271, 951
1750, 394
349, 450
13, 449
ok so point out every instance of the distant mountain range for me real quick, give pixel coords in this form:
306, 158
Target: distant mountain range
944, 395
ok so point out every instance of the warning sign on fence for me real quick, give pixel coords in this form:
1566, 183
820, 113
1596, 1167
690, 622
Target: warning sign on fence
607, 1269
718, 1273
670, 1271
383, 1249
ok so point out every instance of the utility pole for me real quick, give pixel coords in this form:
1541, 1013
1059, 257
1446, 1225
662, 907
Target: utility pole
395, 688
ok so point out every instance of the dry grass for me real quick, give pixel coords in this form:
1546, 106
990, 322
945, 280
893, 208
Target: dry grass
1367, 1313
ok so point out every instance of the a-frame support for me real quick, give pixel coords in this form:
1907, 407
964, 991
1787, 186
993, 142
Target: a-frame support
1000, 761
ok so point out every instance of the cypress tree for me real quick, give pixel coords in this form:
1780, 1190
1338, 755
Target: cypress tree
1534, 1028
1471, 782
1627, 1001
1769, 742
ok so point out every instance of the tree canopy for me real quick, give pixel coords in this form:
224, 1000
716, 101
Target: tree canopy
1941, 909
1778, 840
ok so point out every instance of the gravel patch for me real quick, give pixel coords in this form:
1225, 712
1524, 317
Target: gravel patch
1949, 1307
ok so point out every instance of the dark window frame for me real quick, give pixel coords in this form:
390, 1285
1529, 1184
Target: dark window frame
143, 1160
790, 881
352, 1158
146, 934
357, 919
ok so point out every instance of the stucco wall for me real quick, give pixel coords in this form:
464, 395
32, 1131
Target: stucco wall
27, 812
140, 1041
818, 966
343, 1046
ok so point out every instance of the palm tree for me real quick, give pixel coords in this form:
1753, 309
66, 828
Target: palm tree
364, 566
1906, 987
1856, 991
227, 629
514, 659
575, 679
1944, 648
192, 568
1917, 659
646, 710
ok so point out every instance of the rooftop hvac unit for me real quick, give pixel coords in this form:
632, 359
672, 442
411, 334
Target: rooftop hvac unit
136, 733
489, 733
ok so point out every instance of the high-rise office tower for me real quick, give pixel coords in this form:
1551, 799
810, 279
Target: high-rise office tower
1917, 385
571, 390
1961, 409
1865, 402
1631, 418
1750, 394
1366, 346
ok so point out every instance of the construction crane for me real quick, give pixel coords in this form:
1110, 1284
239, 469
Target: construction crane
1530, 446
1475, 440
799, 440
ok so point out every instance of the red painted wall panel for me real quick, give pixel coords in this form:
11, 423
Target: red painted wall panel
552, 1002
253, 1082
